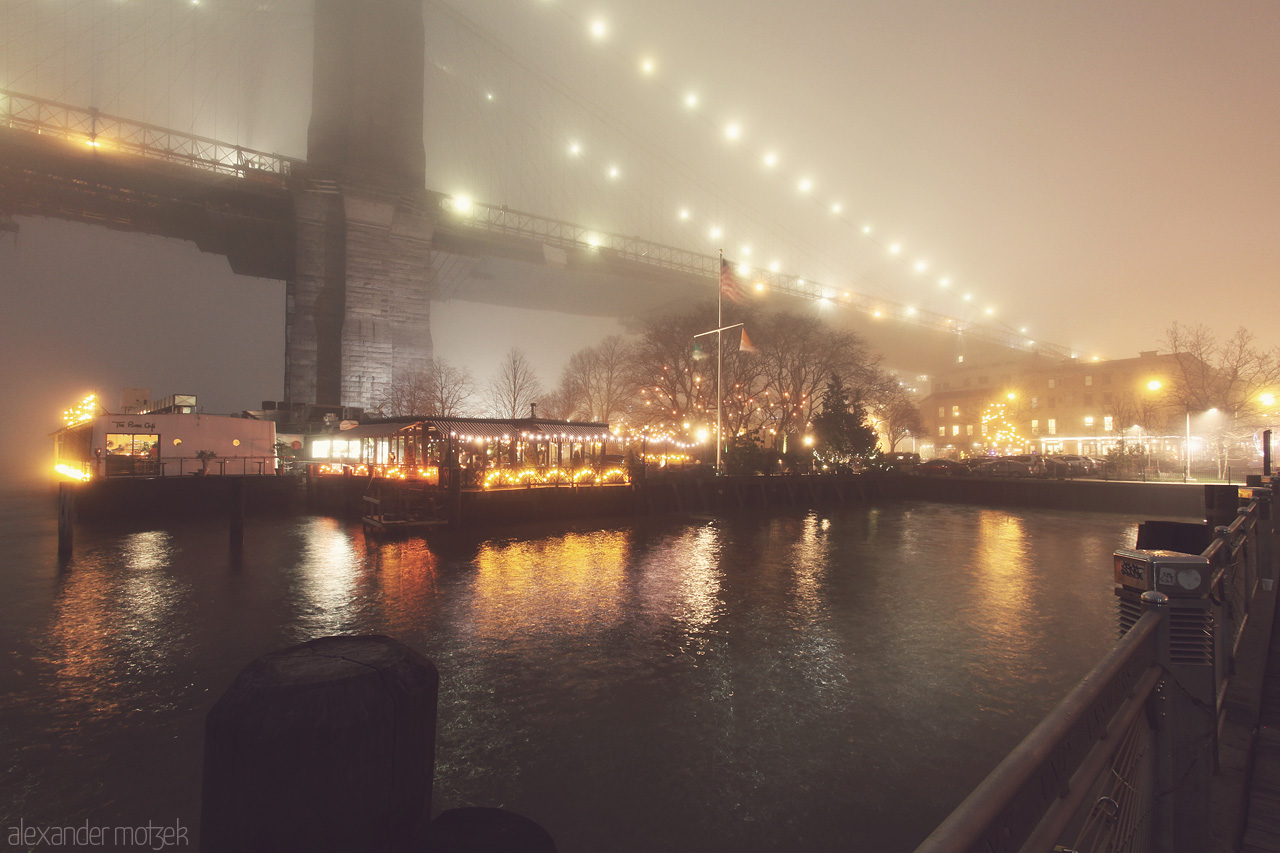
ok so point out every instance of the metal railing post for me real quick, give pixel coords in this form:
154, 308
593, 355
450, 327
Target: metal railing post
1162, 806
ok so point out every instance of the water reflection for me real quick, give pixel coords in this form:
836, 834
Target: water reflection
764, 681
327, 570
571, 585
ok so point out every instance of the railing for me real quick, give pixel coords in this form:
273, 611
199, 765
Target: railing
1124, 763
568, 236
113, 467
101, 130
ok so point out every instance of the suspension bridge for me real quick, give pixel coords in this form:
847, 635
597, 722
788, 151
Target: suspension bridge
364, 245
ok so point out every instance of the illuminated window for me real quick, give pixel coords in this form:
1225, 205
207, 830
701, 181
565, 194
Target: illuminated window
132, 444
942, 431
942, 411
955, 411
320, 449
1035, 402
1088, 379
959, 359
1108, 423
955, 430
1053, 426
968, 430
1035, 427
1088, 420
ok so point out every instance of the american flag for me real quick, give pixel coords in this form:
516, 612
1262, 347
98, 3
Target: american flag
730, 287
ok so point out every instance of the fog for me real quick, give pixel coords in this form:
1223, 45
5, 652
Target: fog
1091, 172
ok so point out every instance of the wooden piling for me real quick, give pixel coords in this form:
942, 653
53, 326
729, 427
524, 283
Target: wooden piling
325, 747
66, 519
237, 514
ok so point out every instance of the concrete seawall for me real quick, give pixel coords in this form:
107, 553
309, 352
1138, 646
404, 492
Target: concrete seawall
1161, 500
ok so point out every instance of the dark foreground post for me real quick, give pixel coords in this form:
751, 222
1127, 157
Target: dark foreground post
237, 514
484, 830
66, 519
326, 746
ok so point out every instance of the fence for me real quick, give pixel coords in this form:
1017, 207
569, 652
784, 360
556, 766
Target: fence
1125, 762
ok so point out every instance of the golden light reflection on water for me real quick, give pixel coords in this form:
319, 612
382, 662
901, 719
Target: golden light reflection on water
117, 617
565, 584
1001, 556
327, 571
809, 559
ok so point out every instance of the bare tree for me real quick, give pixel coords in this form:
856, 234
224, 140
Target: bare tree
894, 408
514, 388
599, 383
437, 389
798, 355
408, 394
1230, 375
452, 389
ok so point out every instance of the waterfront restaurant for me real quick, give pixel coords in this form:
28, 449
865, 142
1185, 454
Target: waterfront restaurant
491, 453
173, 440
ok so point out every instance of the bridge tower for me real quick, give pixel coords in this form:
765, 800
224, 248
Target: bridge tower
359, 305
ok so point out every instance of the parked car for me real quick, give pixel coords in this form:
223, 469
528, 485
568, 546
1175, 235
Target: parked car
943, 468
901, 463
1007, 467
1068, 465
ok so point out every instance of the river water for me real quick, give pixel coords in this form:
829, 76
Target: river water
808, 680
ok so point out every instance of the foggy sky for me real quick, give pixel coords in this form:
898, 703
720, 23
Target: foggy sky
1092, 170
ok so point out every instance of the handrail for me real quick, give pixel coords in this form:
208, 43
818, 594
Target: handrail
98, 129
1001, 813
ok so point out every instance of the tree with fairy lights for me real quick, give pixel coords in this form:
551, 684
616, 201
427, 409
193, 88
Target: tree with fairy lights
998, 431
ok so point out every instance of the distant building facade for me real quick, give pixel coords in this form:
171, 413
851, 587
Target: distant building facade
1033, 404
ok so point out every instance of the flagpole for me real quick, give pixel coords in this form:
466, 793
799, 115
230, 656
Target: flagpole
719, 357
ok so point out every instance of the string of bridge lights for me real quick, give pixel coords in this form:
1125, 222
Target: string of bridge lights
732, 131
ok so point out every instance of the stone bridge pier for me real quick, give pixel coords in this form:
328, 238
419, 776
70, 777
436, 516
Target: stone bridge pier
359, 304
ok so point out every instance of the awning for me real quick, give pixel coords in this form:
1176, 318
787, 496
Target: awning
466, 429
369, 431
576, 432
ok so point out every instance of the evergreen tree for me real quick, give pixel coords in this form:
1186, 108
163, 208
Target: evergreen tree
841, 431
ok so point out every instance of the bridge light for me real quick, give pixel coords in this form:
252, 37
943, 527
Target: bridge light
716, 233
771, 159
646, 65
488, 96
684, 213
760, 286
746, 250
944, 282
1267, 399
462, 204
990, 311
691, 100
613, 171
733, 131
836, 208
911, 311
968, 297
895, 248
599, 29
922, 265
575, 149
805, 185
866, 229
775, 266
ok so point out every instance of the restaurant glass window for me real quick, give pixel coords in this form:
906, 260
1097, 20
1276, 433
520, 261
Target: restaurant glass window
132, 454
